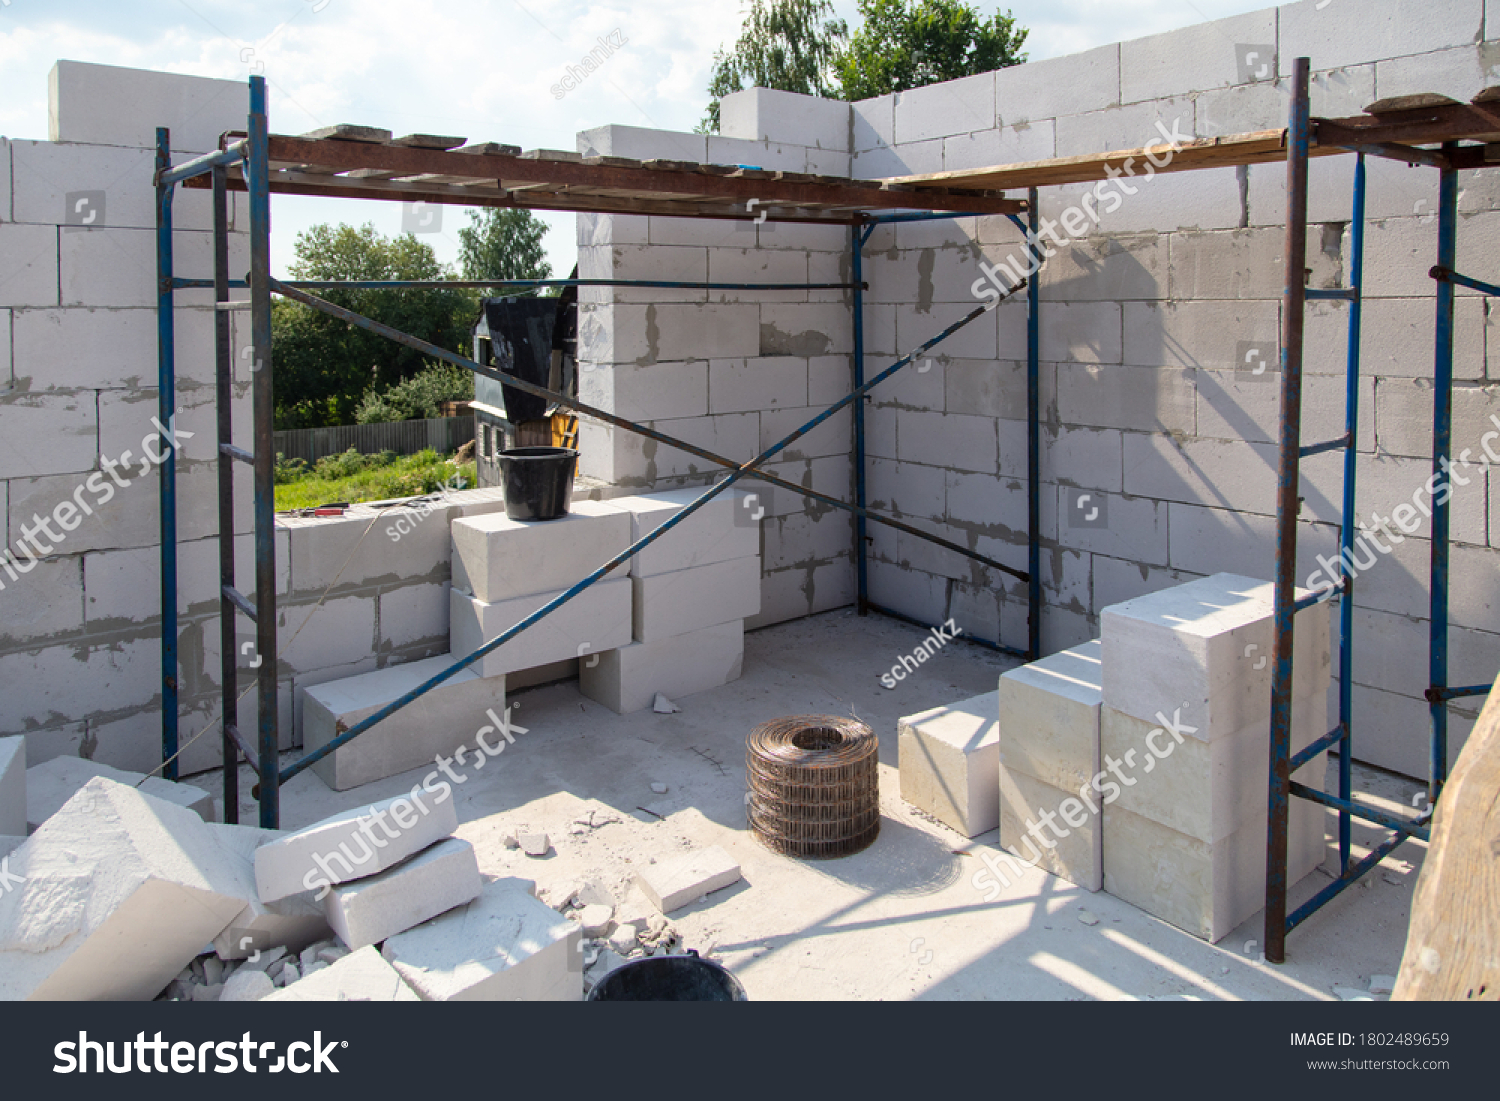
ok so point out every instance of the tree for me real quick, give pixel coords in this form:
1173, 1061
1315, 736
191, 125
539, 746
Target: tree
790, 45
503, 244
323, 365
904, 45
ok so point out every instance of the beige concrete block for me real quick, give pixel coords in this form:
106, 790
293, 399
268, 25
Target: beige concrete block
628, 679
1070, 847
361, 976
1049, 717
949, 759
597, 619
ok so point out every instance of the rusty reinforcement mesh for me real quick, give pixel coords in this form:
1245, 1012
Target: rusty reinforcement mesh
814, 785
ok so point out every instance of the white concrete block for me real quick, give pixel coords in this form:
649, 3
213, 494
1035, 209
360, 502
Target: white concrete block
1205, 790
676, 603
1204, 888
675, 882
1234, 474
1048, 715
496, 558
503, 946
1067, 85
1052, 828
1203, 650
28, 265
110, 105
949, 757
951, 107
357, 843
950, 440
595, 620
121, 891
874, 122
51, 432
361, 976
13, 816
1351, 34
1195, 58
433, 882
642, 144
627, 679
689, 331
742, 385
53, 783
765, 114
435, 724
291, 923
1157, 400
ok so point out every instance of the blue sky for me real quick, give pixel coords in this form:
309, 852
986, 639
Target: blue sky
477, 68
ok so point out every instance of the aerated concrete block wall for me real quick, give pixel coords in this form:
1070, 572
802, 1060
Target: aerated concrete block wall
1155, 317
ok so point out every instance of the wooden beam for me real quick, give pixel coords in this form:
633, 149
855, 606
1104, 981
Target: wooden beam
1453, 942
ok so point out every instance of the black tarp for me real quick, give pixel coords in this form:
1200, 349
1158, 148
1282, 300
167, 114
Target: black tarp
520, 331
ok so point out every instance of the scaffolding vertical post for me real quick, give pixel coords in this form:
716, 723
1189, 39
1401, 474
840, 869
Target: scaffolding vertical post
224, 407
166, 398
1442, 443
861, 545
1288, 483
1350, 507
257, 178
1033, 440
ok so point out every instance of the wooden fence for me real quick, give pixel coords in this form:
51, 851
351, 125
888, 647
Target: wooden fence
442, 434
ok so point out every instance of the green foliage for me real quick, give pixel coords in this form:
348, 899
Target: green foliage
417, 397
790, 45
323, 365
353, 477
904, 45
503, 244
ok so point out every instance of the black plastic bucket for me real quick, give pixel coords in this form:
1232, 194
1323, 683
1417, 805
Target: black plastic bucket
669, 979
538, 481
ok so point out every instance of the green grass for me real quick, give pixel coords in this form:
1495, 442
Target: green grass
352, 477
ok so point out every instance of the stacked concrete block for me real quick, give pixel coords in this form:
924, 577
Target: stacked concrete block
368, 911
1049, 759
53, 783
503, 570
361, 976
435, 724
291, 923
692, 589
357, 843
1185, 735
503, 946
120, 891
675, 882
949, 759
13, 816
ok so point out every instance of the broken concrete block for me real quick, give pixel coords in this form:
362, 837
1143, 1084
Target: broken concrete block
13, 816
596, 920
1206, 888
496, 558
433, 882
1205, 648
949, 758
1055, 830
1049, 717
673, 883
354, 844
362, 976
668, 604
535, 844
1206, 790
247, 986
51, 784
435, 724
503, 946
628, 679
265, 931
720, 531
120, 892
596, 620
623, 939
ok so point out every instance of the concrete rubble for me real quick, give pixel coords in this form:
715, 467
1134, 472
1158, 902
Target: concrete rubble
51, 784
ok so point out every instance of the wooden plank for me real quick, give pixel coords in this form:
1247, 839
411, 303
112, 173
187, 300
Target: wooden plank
1425, 126
1396, 104
489, 148
1453, 942
1254, 148
1489, 95
626, 162
565, 155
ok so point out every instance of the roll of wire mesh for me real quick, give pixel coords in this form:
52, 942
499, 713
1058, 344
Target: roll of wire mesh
814, 785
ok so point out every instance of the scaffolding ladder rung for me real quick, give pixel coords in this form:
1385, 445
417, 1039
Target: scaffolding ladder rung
238, 599
245, 751
233, 452
1369, 814
1326, 742
1448, 275
1314, 599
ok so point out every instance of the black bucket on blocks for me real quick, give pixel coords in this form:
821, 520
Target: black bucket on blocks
538, 481
669, 979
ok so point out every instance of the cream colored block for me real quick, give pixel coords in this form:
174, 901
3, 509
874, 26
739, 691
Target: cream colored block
1059, 831
595, 620
949, 757
1049, 717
